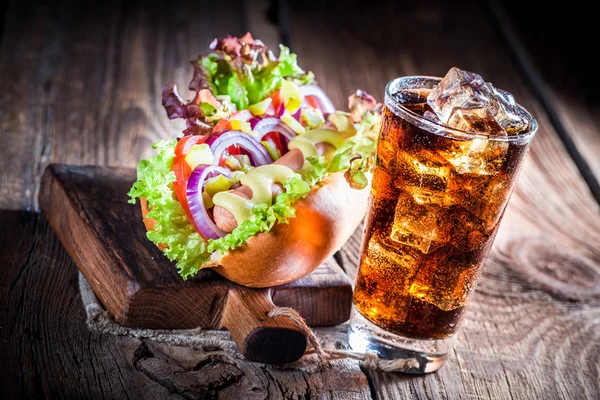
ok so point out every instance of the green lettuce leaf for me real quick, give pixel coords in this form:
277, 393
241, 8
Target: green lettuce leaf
173, 227
243, 77
356, 156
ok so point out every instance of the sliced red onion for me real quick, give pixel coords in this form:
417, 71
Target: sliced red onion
253, 121
325, 103
270, 110
195, 186
297, 114
257, 153
279, 112
274, 125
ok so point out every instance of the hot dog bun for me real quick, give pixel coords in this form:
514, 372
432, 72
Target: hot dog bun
324, 221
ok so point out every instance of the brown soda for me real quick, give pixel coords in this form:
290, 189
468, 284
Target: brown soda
436, 205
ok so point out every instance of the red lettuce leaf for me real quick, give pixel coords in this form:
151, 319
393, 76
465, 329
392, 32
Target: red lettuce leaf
177, 108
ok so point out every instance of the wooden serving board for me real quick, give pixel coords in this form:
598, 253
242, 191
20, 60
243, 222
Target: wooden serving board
87, 207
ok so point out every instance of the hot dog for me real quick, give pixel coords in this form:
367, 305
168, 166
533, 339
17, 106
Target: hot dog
216, 198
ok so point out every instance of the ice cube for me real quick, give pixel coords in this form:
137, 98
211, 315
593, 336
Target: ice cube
459, 89
424, 169
446, 278
447, 286
420, 226
385, 277
425, 175
475, 120
391, 258
468, 234
503, 95
495, 199
425, 196
486, 198
477, 156
419, 232
508, 114
468, 91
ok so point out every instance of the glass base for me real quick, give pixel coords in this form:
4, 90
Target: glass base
364, 335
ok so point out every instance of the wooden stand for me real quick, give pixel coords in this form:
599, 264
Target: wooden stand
140, 287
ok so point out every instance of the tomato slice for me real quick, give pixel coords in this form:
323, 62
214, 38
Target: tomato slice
276, 100
183, 171
221, 126
312, 101
275, 138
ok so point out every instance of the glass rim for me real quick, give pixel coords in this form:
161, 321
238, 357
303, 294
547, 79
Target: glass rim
446, 131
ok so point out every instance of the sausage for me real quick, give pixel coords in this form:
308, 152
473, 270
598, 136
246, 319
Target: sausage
293, 159
324, 148
224, 220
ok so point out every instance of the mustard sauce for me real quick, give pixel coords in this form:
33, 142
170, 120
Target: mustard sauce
307, 142
260, 180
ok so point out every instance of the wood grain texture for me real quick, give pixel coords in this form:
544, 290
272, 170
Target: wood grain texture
532, 328
82, 84
87, 207
47, 351
259, 337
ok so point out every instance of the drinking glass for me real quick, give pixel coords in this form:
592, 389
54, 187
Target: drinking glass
437, 199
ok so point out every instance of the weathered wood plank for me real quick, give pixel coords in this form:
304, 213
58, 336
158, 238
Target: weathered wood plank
527, 334
47, 351
45, 346
57, 104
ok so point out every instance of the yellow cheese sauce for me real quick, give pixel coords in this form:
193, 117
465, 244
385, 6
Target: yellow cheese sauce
307, 142
260, 180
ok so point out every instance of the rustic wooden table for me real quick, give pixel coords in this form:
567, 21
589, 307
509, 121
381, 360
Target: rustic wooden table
81, 83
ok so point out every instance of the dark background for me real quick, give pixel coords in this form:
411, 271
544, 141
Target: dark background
81, 81
552, 48
553, 45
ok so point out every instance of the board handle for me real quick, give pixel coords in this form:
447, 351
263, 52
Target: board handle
260, 338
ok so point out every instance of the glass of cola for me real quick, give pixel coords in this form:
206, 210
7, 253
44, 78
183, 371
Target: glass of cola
449, 153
